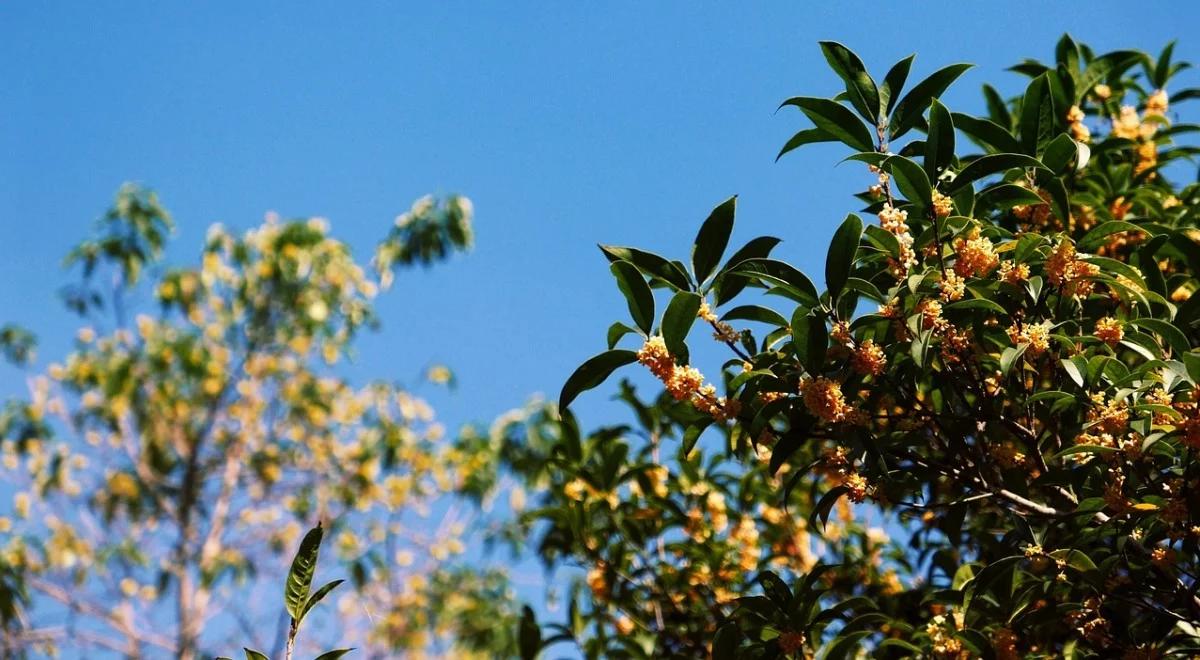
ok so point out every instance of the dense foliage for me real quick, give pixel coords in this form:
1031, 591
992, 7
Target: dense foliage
199, 425
1002, 371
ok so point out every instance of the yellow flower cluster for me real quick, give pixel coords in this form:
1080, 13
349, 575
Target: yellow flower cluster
1035, 335
943, 206
1078, 129
895, 222
722, 331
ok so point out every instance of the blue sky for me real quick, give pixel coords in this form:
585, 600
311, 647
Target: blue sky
568, 124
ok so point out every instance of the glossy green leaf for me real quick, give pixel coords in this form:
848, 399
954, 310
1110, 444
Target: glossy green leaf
986, 132
638, 296
836, 120
806, 136
989, 165
251, 654
911, 179
529, 635
1037, 115
893, 84
782, 274
939, 145
727, 287
909, 110
843, 250
860, 88
651, 265
1005, 196
300, 576
593, 372
677, 321
755, 313
712, 239
334, 654
317, 596
810, 339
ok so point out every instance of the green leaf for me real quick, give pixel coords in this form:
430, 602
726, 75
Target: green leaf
251, 654
333, 655
1060, 153
650, 264
810, 339
806, 136
529, 637
911, 180
988, 165
638, 296
1009, 357
593, 372
842, 252
1171, 335
1007, 195
1099, 234
1083, 449
909, 110
987, 132
893, 84
977, 303
299, 578
843, 646
821, 511
997, 109
1076, 559
780, 273
939, 145
678, 320
616, 331
860, 88
1074, 371
712, 239
1037, 115
727, 287
726, 641
317, 596
836, 120
755, 313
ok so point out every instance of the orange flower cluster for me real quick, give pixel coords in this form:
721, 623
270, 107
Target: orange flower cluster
1109, 331
792, 642
685, 382
823, 398
1014, 273
722, 330
976, 255
869, 359
1069, 274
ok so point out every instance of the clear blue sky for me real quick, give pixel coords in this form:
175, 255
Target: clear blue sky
568, 124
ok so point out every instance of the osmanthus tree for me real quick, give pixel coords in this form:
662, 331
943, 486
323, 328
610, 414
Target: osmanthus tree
1003, 363
199, 426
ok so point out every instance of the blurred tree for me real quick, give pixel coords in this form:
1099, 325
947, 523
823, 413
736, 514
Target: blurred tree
1022, 413
158, 469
